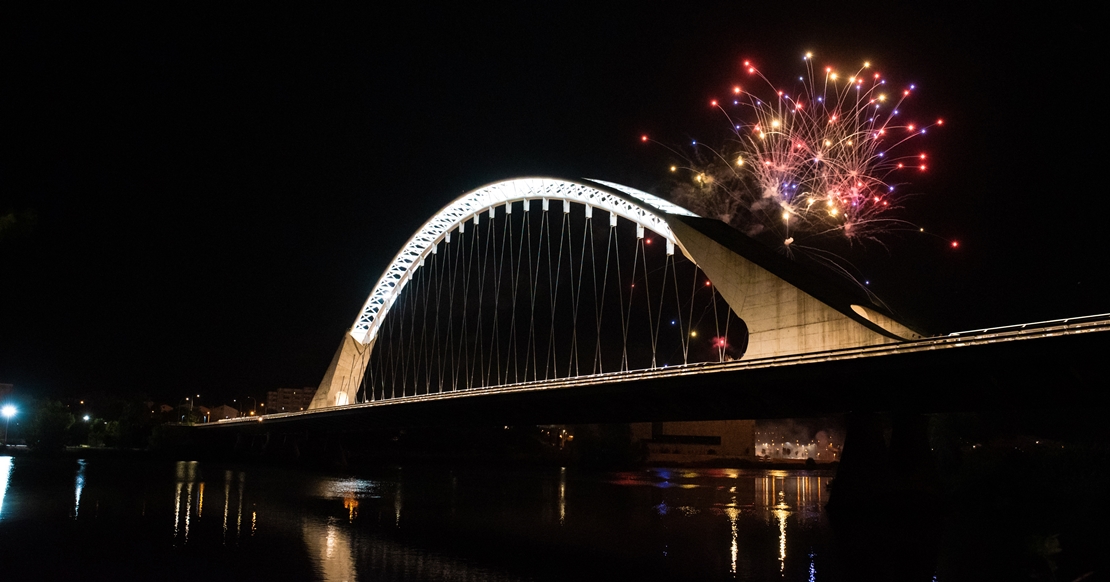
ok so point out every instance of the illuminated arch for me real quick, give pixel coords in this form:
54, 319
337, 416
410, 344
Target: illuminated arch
639, 207
784, 314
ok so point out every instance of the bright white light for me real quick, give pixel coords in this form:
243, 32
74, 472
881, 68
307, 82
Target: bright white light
8, 411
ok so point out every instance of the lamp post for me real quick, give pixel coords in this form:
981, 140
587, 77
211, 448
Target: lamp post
8, 411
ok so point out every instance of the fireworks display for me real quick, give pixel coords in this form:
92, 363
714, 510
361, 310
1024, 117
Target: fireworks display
826, 157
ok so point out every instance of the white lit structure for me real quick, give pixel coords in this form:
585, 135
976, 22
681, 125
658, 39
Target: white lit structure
781, 318
471, 206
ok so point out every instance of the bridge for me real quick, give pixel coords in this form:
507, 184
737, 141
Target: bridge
545, 300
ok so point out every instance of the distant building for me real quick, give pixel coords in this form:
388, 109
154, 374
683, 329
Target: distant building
223, 411
6, 390
820, 439
696, 441
288, 399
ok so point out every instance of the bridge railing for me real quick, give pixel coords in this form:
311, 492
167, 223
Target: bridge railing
1071, 322
1018, 332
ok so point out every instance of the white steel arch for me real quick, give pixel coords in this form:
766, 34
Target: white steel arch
615, 199
781, 319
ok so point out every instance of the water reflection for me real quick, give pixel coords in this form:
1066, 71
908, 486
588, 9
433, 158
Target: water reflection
350, 490
237, 479
733, 514
239, 513
337, 488
562, 495
781, 513
460, 523
227, 501
79, 486
397, 502
329, 546
756, 507
784, 501
5, 473
186, 474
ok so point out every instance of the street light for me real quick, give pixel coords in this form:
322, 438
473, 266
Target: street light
8, 411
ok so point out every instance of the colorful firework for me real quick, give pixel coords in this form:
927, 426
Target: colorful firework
828, 157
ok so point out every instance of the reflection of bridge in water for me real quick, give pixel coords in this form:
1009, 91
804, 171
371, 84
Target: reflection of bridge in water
550, 301
357, 525
337, 549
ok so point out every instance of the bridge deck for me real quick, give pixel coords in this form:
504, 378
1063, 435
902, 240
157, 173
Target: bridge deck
1012, 366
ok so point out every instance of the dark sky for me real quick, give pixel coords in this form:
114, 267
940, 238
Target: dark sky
217, 192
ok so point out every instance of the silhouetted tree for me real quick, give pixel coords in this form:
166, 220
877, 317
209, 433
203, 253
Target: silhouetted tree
135, 421
49, 426
14, 224
104, 433
78, 433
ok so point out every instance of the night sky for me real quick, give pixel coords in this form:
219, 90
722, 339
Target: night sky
215, 193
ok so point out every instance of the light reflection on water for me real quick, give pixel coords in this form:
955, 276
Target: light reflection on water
456, 524
774, 497
79, 486
562, 495
330, 548
5, 472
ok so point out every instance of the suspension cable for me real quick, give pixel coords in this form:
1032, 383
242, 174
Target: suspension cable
576, 295
553, 286
627, 314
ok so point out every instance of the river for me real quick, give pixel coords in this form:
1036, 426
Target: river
134, 517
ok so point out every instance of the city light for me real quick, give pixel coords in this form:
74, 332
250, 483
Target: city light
8, 411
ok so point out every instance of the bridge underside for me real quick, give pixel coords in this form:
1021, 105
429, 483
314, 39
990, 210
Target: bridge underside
1062, 371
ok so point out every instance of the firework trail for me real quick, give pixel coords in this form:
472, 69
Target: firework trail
823, 159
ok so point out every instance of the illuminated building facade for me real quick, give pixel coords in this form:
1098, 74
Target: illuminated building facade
695, 441
289, 399
797, 440
222, 412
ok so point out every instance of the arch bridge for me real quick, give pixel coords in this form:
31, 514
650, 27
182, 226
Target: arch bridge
541, 281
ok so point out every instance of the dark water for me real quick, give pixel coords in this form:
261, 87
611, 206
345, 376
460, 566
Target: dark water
136, 518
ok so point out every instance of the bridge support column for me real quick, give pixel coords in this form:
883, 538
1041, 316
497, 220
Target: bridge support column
884, 502
863, 462
780, 316
882, 478
325, 449
341, 381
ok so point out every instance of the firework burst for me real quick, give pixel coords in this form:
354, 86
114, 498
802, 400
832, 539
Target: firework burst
827, 157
